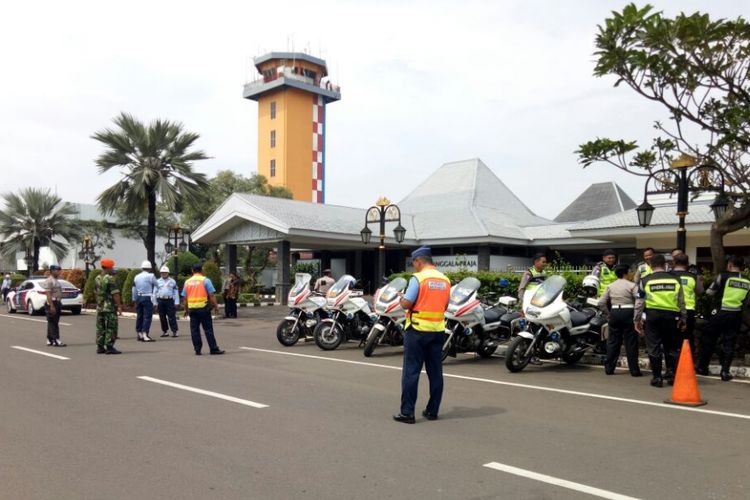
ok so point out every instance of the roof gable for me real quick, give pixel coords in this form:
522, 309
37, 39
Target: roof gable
598, 200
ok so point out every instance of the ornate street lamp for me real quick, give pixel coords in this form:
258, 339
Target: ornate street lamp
175, 242
383, 211
683, 178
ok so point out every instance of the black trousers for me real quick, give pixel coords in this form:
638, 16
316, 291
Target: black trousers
202, 318
621, 330
689, 333
167, 315
662, 337
230, 308
727, 325
53, 321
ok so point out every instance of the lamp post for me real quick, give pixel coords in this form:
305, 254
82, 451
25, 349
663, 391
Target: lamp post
682, 178
383, 211
177, 235
87, 253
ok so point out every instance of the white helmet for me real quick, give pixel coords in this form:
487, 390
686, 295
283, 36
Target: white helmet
591, 285
146, 264
164, 269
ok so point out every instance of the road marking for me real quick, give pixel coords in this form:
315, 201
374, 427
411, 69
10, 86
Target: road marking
558, 482
39, 352
522, 386
13, 316
204, 392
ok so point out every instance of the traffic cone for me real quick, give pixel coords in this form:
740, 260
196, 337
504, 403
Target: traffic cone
685, 391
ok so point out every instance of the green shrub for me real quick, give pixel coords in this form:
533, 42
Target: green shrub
246, 298
310, 268
16, 279
74, 276
120, 276
185, 261
219, 297
126, 292
88, 290
211, 271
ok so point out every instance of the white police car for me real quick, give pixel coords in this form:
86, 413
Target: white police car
31, 297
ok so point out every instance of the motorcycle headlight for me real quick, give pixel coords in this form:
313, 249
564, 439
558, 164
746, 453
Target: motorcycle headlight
349, 316
468, 331
374, 317
310, 314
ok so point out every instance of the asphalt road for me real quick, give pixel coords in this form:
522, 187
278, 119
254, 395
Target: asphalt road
302, 423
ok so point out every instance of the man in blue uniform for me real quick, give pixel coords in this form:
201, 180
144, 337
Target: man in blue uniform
144, 287
167, 300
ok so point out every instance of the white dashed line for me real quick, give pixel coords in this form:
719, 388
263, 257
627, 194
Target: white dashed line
39, 352
204, 392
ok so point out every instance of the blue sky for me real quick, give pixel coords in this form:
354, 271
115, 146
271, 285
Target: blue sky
423, 83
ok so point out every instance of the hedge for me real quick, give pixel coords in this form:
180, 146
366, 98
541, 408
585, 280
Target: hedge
74, 276
490, 281
16, 279
126, 292
88, 290
211, 271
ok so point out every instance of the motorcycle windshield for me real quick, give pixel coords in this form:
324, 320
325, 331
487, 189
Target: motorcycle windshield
465, 289
341, 285
548, 291
392, 289
301, 283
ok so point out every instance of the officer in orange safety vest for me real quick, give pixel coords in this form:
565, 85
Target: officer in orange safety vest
199, 293
426, 300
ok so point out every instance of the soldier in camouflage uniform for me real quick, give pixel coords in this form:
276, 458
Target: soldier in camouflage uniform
107, 308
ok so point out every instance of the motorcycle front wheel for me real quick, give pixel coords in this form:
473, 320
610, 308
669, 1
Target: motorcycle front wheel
516, 358
328, 336
373, 339
287, 333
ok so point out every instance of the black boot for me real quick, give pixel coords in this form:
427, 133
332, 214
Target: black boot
100, 349
726, 376
656, 379
111, 350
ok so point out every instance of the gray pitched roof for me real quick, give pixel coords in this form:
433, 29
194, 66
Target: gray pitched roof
604, 198
664, 215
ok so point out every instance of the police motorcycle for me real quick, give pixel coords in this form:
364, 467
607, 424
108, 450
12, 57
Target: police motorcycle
470, 325
349, 316
388, 317
556, 329
305, 314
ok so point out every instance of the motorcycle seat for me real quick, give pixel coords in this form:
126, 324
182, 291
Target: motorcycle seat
493, 315
579, 318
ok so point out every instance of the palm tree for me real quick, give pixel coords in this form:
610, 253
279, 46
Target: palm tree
156, 165
32, 219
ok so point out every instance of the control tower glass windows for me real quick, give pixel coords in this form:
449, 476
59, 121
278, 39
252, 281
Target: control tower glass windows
273, 110
273, 138
273, 168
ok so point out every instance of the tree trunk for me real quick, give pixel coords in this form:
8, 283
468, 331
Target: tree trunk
35, 257
717, 248
734, 220
151, 229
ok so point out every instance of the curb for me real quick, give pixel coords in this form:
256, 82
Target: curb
179, 315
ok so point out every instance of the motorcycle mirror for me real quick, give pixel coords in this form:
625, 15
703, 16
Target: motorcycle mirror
503, 282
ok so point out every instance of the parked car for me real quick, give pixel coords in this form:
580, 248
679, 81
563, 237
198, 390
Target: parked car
30, 297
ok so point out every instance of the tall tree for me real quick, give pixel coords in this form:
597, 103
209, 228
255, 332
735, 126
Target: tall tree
698, 69
35, 218
156, 162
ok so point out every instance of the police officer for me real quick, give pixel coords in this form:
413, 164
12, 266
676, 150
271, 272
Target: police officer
54, 303
665, 316
7, 283
198, 293
644, 268
426, 300
108, 307
167, 300
692, 288
618, 302
144, 288
533, 276
730, 290
324, 283
605, 271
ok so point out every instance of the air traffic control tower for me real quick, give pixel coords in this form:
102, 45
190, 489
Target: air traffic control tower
292, 91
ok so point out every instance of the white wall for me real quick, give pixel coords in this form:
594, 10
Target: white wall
501, 262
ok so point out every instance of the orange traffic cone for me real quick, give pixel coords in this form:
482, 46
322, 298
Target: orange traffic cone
685, 391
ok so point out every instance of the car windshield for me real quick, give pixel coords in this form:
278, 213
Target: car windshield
301, 283
465, 289
63, 283
343, 284
392, 289
548, 291
66, 284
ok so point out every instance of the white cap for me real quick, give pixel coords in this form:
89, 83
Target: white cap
164, 269
146, 265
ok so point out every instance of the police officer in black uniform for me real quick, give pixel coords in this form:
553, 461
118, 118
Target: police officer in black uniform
665, 316
731, 292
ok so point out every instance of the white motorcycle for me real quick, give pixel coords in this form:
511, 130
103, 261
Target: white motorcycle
305, 314
470, 325
389, 319
349, 316
556, 328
